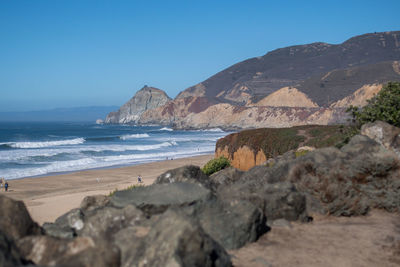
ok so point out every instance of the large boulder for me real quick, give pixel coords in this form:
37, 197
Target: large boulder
384, 134
90, 203
67, 225
226, 177
231, 222
187, 174
177, 240
107, 221
9, 254
157, 198
277, 200
15, 221
80, 251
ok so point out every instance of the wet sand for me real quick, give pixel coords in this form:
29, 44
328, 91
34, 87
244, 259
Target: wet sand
51, 196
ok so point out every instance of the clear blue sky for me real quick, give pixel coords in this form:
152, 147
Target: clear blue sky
82, 53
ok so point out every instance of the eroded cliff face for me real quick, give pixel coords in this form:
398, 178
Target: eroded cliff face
145, 99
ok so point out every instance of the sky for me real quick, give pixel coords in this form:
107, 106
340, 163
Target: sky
98, 53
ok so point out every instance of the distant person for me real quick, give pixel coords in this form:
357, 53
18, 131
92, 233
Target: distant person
1, 183
139, 179
6, 186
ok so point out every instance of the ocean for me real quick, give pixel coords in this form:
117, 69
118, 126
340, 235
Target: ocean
37, 149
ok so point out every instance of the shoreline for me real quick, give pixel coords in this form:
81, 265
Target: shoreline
48, 197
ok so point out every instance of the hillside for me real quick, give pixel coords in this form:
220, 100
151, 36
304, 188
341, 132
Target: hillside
258, 77
297, 85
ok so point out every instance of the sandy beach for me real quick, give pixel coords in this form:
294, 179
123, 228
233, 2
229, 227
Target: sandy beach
51, 196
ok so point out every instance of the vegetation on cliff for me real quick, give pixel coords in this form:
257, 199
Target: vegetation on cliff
385, 106
276, 141
215, 165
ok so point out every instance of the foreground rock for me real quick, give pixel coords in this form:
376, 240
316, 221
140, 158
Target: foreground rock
9, 254
157, 198
189, 174
81, 251
176, 240
15, 221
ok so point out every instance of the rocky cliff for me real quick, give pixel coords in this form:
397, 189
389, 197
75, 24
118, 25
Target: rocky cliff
145, 99
305, 84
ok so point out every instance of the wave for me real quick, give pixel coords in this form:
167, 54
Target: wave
166, 129
133, 136
214, 130
100, 162
75, 141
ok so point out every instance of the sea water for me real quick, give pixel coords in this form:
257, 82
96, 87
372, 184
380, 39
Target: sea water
36, 149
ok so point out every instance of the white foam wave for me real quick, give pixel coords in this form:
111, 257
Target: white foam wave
214, 130
75, 141
133, 136
166, 129
101, 162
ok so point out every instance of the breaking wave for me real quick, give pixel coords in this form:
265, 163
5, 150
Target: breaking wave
133, 136
75, 141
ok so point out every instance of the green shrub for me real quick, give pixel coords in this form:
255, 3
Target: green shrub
385, 106
215, 165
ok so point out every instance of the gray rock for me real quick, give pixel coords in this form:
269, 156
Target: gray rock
9, 255
15, 221
187, 174
80, 251
351, 181
176, 240
276, 200
383, 133
157, 198
226, 176
231, 222
67, 225
145, 99
90, 203
106, 221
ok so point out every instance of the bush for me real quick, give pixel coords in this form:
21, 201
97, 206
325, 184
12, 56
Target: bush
385, 106
215, 165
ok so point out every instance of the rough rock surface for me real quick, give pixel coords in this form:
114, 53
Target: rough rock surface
15, 221
231, 222
9, 254
145, 99
157, 198
176, 240
383, 133
80, 251
188, 174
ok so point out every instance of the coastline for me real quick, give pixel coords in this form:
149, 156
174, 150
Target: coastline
48, 197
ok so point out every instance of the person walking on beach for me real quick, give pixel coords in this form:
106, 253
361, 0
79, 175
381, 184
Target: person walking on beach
6, 186
139, 179
1, 183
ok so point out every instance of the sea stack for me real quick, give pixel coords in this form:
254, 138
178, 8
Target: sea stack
146, 98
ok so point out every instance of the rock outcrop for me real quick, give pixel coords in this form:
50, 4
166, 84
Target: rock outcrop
145, 99
249, 148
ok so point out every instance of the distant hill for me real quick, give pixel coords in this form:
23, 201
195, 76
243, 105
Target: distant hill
59, 114
258, 77
296, 85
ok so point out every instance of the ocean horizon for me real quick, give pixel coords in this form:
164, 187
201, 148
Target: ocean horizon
44, 148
